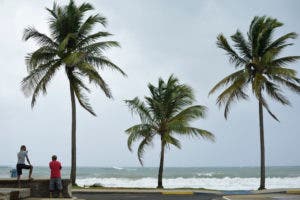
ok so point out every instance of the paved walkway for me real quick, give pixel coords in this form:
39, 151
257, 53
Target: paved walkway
154, 194
145, 196
263, 197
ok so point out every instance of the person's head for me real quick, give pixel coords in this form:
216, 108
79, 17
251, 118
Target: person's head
23, 148
54, 157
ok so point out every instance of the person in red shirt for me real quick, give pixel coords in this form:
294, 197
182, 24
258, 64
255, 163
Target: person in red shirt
55, 177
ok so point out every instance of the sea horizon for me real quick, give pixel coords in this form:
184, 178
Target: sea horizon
109, 166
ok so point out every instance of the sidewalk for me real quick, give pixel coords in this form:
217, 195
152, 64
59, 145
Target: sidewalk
269, 194
147, 191
263, 197
275, 194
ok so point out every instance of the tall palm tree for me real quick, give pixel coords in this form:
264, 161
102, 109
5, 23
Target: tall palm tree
165, 113
72, 46
259, 65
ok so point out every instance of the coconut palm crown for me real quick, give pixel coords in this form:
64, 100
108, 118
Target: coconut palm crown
167, 112
259, 65
73, 46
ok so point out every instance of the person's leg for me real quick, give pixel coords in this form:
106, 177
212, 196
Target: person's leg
30, 172
60, 194
19, 173
51, 187
59, 187
30, 167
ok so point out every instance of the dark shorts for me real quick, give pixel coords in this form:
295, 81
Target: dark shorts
20, 167
55, 182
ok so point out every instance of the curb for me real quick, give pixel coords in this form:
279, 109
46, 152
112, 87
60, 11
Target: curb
297, 191
177, 193
116, 192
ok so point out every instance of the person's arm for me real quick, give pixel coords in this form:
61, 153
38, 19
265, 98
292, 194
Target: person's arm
27, 158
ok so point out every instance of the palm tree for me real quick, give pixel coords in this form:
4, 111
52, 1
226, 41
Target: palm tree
165, 113
259, 65
72, 46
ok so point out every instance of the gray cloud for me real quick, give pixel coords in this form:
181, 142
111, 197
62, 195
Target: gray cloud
158, 38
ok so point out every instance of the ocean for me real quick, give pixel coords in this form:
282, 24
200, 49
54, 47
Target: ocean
222, 178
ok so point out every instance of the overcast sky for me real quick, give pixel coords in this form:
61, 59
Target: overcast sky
158, 38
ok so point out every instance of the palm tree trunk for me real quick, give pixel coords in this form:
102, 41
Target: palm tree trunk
73, 136
262, 147
161, 164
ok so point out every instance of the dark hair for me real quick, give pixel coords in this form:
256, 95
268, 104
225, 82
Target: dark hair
54, 157
22, 146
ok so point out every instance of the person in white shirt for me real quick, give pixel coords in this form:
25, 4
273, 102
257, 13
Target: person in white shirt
21, 164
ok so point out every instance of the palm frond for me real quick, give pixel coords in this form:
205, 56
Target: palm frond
98, 47
41, 85
281, 72
103, 62
141, 149
274, 92
42, 39
84, 7
139, 107
89, 23
92, 38
284, 60
93, 76
78, 87
39, 57
265, 35
266, 106
227, 80
288, 83
242, 45
196, 132
234, 96
137, 132
233, 56
53, 10
238, 84
255, 29
281, 41
189, 114
169, 140
35, 75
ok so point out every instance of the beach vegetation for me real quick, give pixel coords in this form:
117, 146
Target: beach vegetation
167, 112
260, 68
76, 45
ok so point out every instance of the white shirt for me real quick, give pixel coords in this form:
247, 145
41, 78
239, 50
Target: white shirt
21, 157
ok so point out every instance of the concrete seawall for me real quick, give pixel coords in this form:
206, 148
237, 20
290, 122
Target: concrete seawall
38, 187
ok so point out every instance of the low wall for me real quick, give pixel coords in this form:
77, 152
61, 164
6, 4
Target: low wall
38, 187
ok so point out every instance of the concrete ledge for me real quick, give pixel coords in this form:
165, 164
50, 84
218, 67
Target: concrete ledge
38, 187
14, 193
55, 199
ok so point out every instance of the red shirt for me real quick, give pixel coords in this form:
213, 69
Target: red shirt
55, 167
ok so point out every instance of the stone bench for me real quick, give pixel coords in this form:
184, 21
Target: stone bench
38, 187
